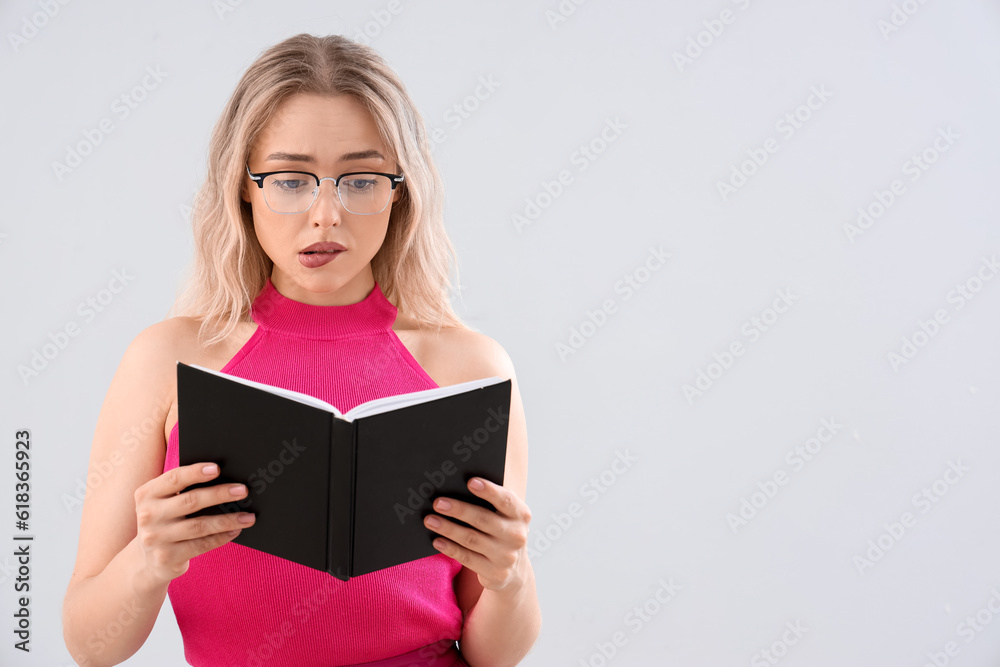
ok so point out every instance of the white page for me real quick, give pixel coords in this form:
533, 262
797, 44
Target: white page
287, 393
373, 407
380, 405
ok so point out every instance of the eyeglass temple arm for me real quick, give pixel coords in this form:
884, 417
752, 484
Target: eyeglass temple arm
256, 179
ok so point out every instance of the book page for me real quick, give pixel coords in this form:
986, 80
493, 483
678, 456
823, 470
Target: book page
280, 391
380, 405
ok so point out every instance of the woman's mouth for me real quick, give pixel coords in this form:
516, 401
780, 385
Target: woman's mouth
312, 259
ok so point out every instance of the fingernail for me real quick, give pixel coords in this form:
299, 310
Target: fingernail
443, 504
233, 533
433, 522
245, 517
476, 484
237, 490
210, 469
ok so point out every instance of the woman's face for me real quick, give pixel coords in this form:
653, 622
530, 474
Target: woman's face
319, 134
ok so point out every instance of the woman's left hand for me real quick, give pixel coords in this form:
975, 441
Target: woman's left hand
496, 545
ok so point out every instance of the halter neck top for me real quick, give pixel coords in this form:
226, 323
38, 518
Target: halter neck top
236, 605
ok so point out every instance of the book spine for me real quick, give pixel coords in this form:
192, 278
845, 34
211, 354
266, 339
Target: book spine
340, 532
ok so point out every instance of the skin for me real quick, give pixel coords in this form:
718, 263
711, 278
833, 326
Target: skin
134, 538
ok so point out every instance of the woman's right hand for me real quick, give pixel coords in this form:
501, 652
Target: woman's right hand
168, 538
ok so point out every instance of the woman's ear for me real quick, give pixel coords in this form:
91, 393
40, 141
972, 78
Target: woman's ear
245, 183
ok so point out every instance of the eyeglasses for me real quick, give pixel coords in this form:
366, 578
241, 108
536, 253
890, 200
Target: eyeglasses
364, 193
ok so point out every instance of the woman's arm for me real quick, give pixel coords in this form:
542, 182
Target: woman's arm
503, 619
502, 627
110, 605
135, 534
107, 617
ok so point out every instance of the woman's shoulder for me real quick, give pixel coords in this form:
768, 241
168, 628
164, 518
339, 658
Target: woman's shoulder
157, 343
454, 354
157, 349
152, 359
181, 335
166, 339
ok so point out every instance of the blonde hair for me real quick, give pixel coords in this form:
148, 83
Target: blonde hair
229, 268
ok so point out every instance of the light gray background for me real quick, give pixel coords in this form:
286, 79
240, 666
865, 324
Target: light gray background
664, 517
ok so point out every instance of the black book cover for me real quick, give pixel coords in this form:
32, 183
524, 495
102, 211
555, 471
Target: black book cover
343, 494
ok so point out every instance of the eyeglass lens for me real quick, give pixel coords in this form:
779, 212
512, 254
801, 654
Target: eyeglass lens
362, 194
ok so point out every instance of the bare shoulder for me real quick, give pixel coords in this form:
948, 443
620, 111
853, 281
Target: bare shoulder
140, 407
165, 336
149, 360
470, 354
152, 348
155, 349
452, 355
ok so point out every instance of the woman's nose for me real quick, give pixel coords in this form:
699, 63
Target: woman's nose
327, 208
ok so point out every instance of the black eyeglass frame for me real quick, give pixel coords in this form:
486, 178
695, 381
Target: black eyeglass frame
258, 178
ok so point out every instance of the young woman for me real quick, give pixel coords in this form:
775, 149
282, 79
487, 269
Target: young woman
334, 282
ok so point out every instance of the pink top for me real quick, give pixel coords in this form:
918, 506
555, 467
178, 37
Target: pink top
239, 606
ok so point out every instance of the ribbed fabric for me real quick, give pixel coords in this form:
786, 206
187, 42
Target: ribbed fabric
239, 606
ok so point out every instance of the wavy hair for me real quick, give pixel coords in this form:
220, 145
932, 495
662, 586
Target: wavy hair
229, 268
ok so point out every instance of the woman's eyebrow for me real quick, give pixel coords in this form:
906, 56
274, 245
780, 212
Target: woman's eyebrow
346, 157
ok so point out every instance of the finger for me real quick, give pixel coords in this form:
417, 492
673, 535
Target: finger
473, 560
485, 520
469, 538
231, 497
176, 480
506, 502
198, 527
188, 549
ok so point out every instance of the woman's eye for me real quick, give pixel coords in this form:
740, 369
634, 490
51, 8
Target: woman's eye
289, 185
361, 183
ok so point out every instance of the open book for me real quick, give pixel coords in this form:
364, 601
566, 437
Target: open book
345, 493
